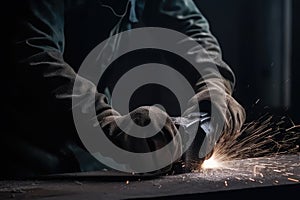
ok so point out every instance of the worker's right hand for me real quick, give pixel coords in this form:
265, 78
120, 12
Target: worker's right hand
151, 116
218, 94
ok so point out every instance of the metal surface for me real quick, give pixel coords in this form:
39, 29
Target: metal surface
251, 177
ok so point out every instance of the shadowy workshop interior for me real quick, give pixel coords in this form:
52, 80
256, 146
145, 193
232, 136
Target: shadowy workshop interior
260, 41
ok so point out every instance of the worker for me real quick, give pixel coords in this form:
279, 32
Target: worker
39, 136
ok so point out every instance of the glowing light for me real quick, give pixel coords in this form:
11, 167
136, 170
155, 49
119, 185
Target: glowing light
211, 163
264, 137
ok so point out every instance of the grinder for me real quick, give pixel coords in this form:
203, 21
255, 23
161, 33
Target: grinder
202, 144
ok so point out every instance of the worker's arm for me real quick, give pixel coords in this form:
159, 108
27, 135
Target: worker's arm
185, 17
39, 53
46, 88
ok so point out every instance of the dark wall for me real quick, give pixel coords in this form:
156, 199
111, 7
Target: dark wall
259, 40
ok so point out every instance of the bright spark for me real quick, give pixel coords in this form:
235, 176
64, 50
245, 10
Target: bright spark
211, 163
262, 137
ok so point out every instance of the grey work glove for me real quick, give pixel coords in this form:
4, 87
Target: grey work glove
142, 117
228, 117
218, 93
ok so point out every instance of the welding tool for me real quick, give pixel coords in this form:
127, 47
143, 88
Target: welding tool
202, 144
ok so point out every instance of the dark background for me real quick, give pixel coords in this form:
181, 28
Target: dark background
260, 41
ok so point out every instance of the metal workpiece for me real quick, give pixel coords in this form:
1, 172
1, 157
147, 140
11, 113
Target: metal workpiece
278, 175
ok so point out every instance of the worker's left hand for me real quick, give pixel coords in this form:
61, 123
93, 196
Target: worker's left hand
161, 131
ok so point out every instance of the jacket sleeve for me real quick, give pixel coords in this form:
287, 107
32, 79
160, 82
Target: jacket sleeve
215, 87
185, 17
39, 48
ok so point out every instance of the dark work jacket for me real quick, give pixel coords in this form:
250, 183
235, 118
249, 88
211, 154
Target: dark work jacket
45, 43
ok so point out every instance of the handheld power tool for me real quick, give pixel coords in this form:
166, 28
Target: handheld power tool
202, 143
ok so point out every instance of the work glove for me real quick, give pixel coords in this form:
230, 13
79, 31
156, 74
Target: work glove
142, 116
216, 93
213, 94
